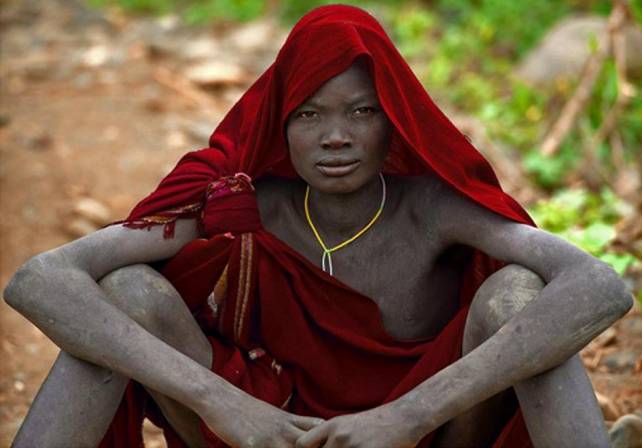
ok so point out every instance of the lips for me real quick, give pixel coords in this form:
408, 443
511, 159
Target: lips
336, 167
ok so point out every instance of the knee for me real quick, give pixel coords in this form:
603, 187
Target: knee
144, 295
498, 299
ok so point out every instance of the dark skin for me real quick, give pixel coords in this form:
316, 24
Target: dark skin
407, 263
342, 128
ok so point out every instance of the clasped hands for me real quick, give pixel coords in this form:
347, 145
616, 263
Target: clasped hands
259, 424
381, 427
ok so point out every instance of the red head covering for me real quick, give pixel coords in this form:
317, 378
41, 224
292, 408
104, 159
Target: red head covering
251, 138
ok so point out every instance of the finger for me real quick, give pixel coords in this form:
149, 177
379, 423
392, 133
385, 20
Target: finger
292, 433
313, 438
307, 423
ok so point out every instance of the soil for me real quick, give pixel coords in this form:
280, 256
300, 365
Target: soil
97, 106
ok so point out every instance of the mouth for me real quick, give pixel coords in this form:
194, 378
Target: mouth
336, 167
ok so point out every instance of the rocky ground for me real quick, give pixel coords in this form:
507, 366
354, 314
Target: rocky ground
95, 109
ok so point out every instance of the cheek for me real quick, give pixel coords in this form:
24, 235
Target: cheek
296, 146
385, 127
379, 138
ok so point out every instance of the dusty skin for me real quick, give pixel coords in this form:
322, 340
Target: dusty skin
505, 346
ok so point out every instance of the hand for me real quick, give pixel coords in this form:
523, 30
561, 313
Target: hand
248, 422
382, 427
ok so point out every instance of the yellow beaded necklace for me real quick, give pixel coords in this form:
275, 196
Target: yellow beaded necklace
327, 252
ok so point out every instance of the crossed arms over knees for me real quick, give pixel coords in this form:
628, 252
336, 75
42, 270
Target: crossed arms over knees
57, 291
583, 296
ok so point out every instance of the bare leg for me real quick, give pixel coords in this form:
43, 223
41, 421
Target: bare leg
148, 298
78, 399
559, 406
76, 402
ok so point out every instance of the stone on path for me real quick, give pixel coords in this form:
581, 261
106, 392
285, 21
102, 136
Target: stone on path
214, 74
620, 360
565, 49
252, 36
80, 227
203, 47
92, 210
627, 432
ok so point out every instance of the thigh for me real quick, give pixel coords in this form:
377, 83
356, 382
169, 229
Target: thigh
150, 300
500, 297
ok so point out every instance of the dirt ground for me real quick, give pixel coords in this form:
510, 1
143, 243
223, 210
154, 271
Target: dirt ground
94, 110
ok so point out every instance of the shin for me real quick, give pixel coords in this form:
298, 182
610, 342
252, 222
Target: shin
78, 399
559, 405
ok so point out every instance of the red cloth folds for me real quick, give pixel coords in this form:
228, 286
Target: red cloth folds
281, 328
230, 206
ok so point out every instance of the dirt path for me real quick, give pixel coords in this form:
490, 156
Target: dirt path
100, 108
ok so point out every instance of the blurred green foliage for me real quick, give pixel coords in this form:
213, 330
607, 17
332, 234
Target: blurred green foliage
587, 220
465, 52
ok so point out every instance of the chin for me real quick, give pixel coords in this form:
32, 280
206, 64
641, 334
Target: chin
342, 185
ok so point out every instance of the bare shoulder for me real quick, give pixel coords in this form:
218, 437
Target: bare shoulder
430, 192
427, 199
275, 194
455, 219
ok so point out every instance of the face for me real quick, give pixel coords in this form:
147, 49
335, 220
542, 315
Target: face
339, 137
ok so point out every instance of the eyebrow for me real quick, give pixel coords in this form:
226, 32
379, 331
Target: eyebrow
364, 96
359, 97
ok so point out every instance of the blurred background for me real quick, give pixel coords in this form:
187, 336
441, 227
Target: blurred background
99, 99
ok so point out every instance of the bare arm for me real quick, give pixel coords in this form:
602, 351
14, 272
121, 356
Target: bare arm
583, 296
57, 291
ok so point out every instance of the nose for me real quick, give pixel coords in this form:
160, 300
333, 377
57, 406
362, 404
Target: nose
336, 137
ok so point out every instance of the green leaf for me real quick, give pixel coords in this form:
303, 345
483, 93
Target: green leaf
596, 237
619, 262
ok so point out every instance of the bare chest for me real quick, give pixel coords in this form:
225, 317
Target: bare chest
404, 269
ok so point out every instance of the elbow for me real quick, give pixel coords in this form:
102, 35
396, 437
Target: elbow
17, 293
624, 302
616, 297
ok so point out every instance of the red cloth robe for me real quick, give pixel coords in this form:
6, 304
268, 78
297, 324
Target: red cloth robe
282, 329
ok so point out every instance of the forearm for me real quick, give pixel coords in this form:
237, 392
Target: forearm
566, 315
70, 308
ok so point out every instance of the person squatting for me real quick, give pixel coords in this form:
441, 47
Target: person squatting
339, 267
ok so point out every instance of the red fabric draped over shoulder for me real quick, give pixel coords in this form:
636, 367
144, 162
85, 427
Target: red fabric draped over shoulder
281, 328
325, 42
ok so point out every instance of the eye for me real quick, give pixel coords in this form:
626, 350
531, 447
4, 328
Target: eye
365, 110
306, 114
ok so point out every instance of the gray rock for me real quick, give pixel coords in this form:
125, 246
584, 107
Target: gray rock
204, 47
80, 227
198, 131
627, 432
621, 360
632, 325
219, 73
92, 210
565, 49
162, 37
253, 36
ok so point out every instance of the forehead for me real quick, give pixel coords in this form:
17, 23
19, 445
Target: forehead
353, 83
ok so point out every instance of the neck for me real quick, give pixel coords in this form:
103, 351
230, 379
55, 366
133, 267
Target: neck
339, 216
